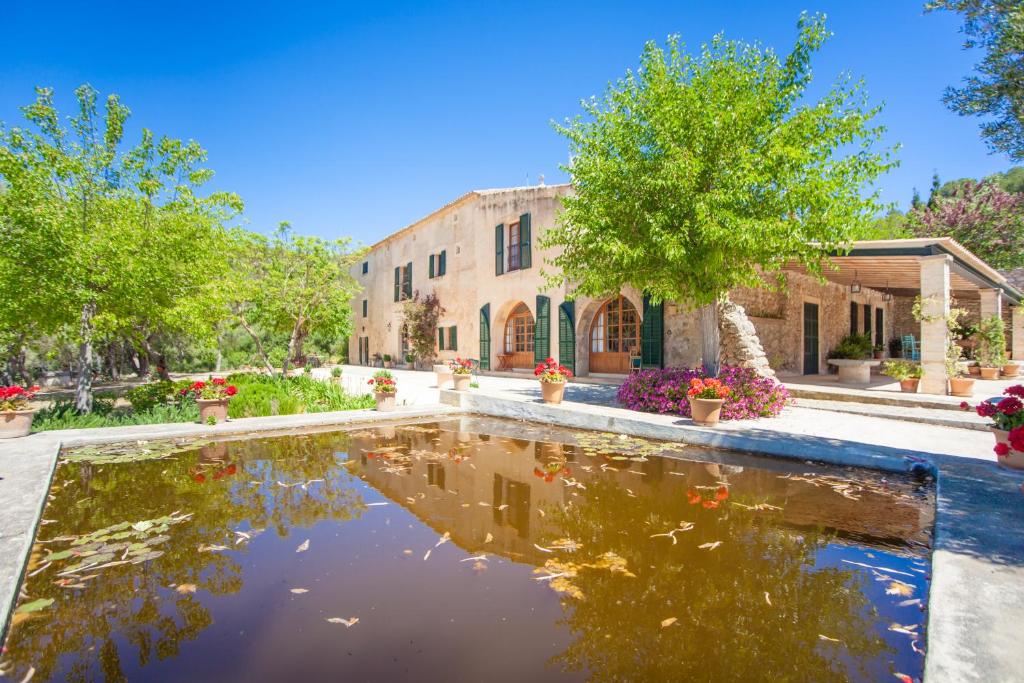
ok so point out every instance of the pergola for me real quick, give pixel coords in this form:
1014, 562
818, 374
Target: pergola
937, 269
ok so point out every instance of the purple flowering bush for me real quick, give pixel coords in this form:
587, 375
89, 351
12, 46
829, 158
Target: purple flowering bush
664, 391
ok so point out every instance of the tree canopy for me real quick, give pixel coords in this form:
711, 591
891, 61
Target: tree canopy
996, 90
697, 174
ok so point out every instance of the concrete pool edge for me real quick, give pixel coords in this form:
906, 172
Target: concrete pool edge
976, 598
27, 466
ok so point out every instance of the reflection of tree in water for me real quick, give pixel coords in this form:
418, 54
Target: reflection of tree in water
135, 604
726, 628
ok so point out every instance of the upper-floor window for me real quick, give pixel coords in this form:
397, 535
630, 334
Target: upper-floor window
512, 246
366, 267
403, 282
364, 308
438, 264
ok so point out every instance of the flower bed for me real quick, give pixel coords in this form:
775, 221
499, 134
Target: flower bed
665, 391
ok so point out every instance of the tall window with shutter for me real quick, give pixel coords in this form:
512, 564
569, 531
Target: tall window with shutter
398, 283
407, 281
485, 337
854, 310
453, 339
542, 330
499, 249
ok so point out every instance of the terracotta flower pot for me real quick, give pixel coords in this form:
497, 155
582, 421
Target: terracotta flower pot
552, 391
1011, 370
706, 411
444, 375
909, 386
15, 423
385, 401
1013, 460
461, 382
961, 386
974, 370
989, 373
218, 407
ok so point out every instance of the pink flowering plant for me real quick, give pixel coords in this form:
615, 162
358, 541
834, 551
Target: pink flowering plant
383, 382
550, 371
16, 398
214, 390
665, 391
1007, 414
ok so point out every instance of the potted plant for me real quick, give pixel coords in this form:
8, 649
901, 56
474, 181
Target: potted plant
462, 374
336, 375
908, 374
895, 348
15, 415
706, 396
1010, 369
552, 378
384, 390
1007, 426
879, 352
409, 359
387, 361
212, 398
991, 350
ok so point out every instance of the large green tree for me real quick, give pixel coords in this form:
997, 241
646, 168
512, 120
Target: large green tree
107, 239
996, 90
700, 173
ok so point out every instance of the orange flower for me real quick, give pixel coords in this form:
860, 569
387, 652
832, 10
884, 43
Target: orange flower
722, 493
693, 497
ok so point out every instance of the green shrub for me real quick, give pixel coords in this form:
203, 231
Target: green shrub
854, 347
336, 372
161, 392
259, 399
62, 415
900, 370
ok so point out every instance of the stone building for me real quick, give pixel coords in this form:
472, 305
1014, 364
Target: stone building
480, 255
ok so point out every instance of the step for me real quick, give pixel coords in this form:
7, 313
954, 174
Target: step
875, 397
942, 417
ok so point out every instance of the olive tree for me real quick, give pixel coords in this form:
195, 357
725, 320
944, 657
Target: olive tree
697, 174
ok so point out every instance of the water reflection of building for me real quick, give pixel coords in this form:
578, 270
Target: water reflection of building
506, 487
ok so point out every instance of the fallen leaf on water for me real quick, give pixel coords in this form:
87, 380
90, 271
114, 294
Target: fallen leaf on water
427, 556
184, 588
906, 630
370, 505
544, 550
486, 505
303, 547
767, 599
540, 512
709, 546
349, 623
300, 591
899, 588
665, 623
904, 677
915, 648
488, 538
407, 551
444, 539
831, 640
502, 507
908, 603
478, 557
35, 605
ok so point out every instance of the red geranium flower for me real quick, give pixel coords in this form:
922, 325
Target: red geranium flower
219, 381
231, 391
722, 493
1001, 449
692, 497
1010, 405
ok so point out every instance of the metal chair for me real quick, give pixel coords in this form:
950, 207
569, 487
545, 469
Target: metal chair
636, 363
911, 347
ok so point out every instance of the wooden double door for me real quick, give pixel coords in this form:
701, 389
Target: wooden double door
614, 336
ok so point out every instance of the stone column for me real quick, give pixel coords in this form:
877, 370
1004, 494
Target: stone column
1017, 332
934, 309
991, 303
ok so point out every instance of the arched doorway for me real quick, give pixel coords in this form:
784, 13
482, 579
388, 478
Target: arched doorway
614, 336
519, 337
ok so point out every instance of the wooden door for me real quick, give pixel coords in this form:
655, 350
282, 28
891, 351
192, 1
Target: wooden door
811, 357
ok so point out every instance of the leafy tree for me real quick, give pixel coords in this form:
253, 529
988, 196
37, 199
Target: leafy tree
996, 91
106, 239
698, 174
983, 217
289, 285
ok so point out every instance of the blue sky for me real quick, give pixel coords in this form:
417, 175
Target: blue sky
359, 119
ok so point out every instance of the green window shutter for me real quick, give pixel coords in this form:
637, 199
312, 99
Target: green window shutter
867, 320
440, 339
442, 267
542, 330
407, 285
364, 308
431, 276
499, 249
453, 339
853, 317
485, 337
652, 335
525, 257
398, 279
567, 336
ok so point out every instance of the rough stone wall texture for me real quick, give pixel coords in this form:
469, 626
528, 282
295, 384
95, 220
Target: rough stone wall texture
740, 343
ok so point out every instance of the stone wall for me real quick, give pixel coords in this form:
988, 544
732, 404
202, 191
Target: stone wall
740, 343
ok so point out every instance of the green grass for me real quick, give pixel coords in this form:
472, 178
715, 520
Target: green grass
258, 396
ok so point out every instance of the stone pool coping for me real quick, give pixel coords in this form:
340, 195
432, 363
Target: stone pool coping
976, 599
27, 466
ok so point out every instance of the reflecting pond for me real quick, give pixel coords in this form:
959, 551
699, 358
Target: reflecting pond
470, 549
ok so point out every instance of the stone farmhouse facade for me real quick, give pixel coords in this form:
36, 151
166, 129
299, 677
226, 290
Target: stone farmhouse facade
480, 255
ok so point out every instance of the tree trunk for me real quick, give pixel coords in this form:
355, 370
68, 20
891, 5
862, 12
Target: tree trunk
112, 362
294, 344
83, 390
259, 344
710, 342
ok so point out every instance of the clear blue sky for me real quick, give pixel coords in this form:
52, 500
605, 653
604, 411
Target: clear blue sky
357, 120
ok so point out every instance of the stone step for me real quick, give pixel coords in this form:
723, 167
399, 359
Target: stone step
879, 398
961, 419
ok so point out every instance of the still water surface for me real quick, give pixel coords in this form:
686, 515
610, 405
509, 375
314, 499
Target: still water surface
470, 549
